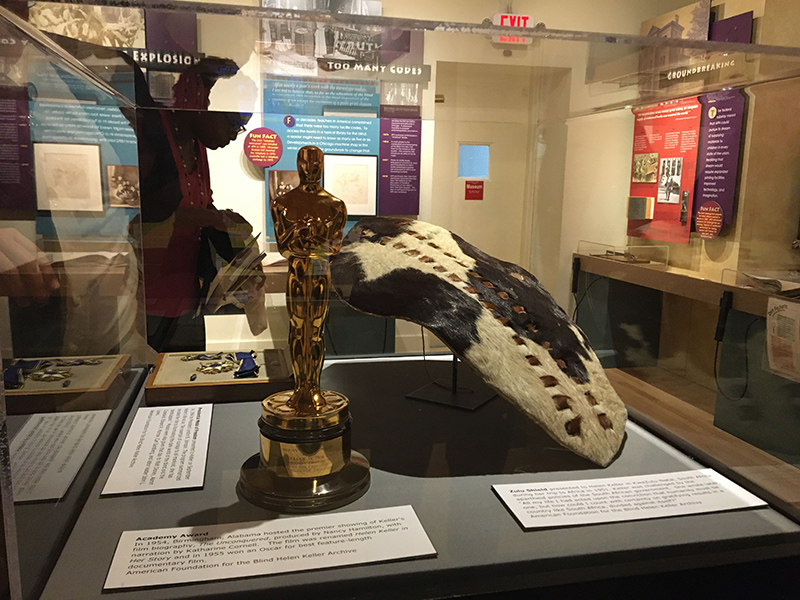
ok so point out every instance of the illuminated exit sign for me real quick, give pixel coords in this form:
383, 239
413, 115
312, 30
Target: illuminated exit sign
506, 20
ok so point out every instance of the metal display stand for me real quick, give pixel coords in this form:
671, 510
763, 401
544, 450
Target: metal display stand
472, 394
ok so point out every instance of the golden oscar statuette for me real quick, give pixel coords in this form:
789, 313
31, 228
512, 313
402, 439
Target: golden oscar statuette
305, 463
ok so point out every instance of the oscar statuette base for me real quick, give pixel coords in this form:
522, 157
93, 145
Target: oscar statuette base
259, 486
305, 464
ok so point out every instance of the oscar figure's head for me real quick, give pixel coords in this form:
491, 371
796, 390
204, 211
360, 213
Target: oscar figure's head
310, 164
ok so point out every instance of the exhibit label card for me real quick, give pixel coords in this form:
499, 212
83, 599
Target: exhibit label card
563, 503
17, 200
165, 449
399, 167
721, 130
189, 554
783, 343
49, 450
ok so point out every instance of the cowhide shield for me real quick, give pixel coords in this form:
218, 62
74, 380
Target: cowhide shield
492, 314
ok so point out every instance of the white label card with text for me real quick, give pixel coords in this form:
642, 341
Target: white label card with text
190, 554
564, 503
165, 449
49, 451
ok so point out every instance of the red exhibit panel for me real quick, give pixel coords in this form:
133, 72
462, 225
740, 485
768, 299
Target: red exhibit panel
664, 164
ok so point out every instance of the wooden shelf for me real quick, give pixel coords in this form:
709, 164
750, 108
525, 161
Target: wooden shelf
676, 385
696, 428
676, 281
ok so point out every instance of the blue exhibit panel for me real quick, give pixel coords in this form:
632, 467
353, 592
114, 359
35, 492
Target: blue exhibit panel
315, 96
50, 82
91, 124
333, 135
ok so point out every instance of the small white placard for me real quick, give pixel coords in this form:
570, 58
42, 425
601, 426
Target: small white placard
783, 340
189, 554
49, 450
563, 503
165, 449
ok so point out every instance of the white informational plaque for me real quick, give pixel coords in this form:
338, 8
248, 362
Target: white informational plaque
165, 449
587, 501
225, 551
783, 343
49, 450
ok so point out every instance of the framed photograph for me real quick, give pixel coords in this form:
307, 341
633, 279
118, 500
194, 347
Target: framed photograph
669, 180
645, 168
122, 183
68, 177
117, 27
281, 182
286, 42
354, 179
688, 22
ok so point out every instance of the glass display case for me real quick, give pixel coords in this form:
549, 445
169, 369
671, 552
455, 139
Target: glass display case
649, 183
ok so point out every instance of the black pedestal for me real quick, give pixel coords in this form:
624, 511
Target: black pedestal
464, 390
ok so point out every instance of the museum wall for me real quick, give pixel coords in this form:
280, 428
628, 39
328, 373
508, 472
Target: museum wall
604, 164
597, 166
769, 209
236, 38
766, 212
587, 161
756, 239
489, 104
556, 185
516, 237
543, 218
615, 16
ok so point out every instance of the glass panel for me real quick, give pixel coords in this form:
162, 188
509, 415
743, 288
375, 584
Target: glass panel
141, 151
72, 326
677, 352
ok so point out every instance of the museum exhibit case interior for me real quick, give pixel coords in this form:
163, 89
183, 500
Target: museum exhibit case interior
649, 183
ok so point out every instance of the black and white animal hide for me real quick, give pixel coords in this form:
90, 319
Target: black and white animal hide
492, 314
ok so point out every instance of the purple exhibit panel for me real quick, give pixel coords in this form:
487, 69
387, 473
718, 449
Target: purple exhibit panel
718, 152
737, 29
399, 160
17, 199
173, 31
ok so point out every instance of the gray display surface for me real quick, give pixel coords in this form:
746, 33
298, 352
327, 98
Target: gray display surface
42, 527
480, 546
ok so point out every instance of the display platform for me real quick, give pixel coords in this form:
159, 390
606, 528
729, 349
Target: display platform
90, 383
176, 380
442, 462
43, 527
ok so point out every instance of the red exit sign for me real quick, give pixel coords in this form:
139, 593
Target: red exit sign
507, 20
